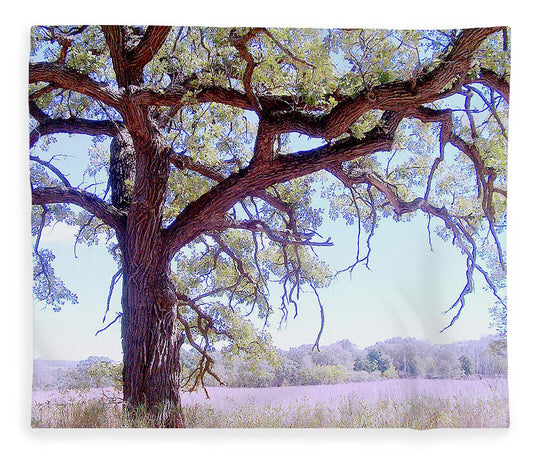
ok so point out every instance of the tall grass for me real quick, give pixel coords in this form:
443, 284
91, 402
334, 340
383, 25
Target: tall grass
349, 411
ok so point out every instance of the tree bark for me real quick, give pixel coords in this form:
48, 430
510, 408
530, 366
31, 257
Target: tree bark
151, 345
150, 339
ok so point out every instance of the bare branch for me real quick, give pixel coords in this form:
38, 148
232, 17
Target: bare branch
114, 281
53, 168
205, 325
317, 341
287, 237
118, 317
491, 108
403, 207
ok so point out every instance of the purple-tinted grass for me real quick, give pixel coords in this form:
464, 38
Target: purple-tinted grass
398, 389
419, 404
66, 396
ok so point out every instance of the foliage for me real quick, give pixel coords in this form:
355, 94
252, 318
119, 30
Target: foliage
466, 365
93, 372
302, 365
204, 196
393, 358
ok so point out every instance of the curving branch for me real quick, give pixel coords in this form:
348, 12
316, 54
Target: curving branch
240, 44
495, 81
72, 125
66, 78
90, 202
53, 168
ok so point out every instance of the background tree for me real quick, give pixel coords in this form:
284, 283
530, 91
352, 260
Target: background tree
466, 365
203, 203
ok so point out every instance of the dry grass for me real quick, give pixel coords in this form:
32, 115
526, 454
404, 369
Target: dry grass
451, 405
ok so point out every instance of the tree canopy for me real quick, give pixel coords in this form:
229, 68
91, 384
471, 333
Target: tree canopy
201, 197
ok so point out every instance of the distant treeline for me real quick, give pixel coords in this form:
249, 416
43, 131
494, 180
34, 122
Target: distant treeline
340, 362
344, 362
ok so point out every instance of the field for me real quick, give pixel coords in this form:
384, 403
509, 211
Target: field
419, 404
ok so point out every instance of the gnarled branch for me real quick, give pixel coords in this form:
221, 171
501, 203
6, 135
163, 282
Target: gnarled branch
90, 202
66, 78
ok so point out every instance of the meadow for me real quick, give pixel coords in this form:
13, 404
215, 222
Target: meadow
400, 403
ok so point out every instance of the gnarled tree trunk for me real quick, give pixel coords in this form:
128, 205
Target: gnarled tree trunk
150, 339
151, 345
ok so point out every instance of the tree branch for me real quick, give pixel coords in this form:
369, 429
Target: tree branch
72, 125
148, 47
287, 237
394, 96
180, 161
240, 44
61, 76
90, 202
496, 82
206, 212
128, 59
53, 168
402, 207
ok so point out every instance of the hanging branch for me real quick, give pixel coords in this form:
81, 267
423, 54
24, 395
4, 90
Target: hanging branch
114, 281
118, 317
402, 207
42, 262
317, 341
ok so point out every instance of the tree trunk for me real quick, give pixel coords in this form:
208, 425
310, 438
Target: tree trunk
151, 345
150, 339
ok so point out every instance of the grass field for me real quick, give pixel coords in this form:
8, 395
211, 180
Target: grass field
419, 404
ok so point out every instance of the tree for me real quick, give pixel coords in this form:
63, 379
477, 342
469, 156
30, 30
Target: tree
375, 361
201, 198
466, 365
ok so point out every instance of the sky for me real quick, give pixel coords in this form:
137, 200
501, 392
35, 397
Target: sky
403, 293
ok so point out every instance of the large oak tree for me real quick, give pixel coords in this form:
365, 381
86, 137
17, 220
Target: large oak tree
206, 202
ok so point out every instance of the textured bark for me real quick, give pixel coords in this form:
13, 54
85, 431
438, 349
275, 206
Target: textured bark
151, 344
151, 341
121, 169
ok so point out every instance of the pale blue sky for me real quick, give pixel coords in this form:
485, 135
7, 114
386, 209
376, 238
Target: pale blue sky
404, 294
